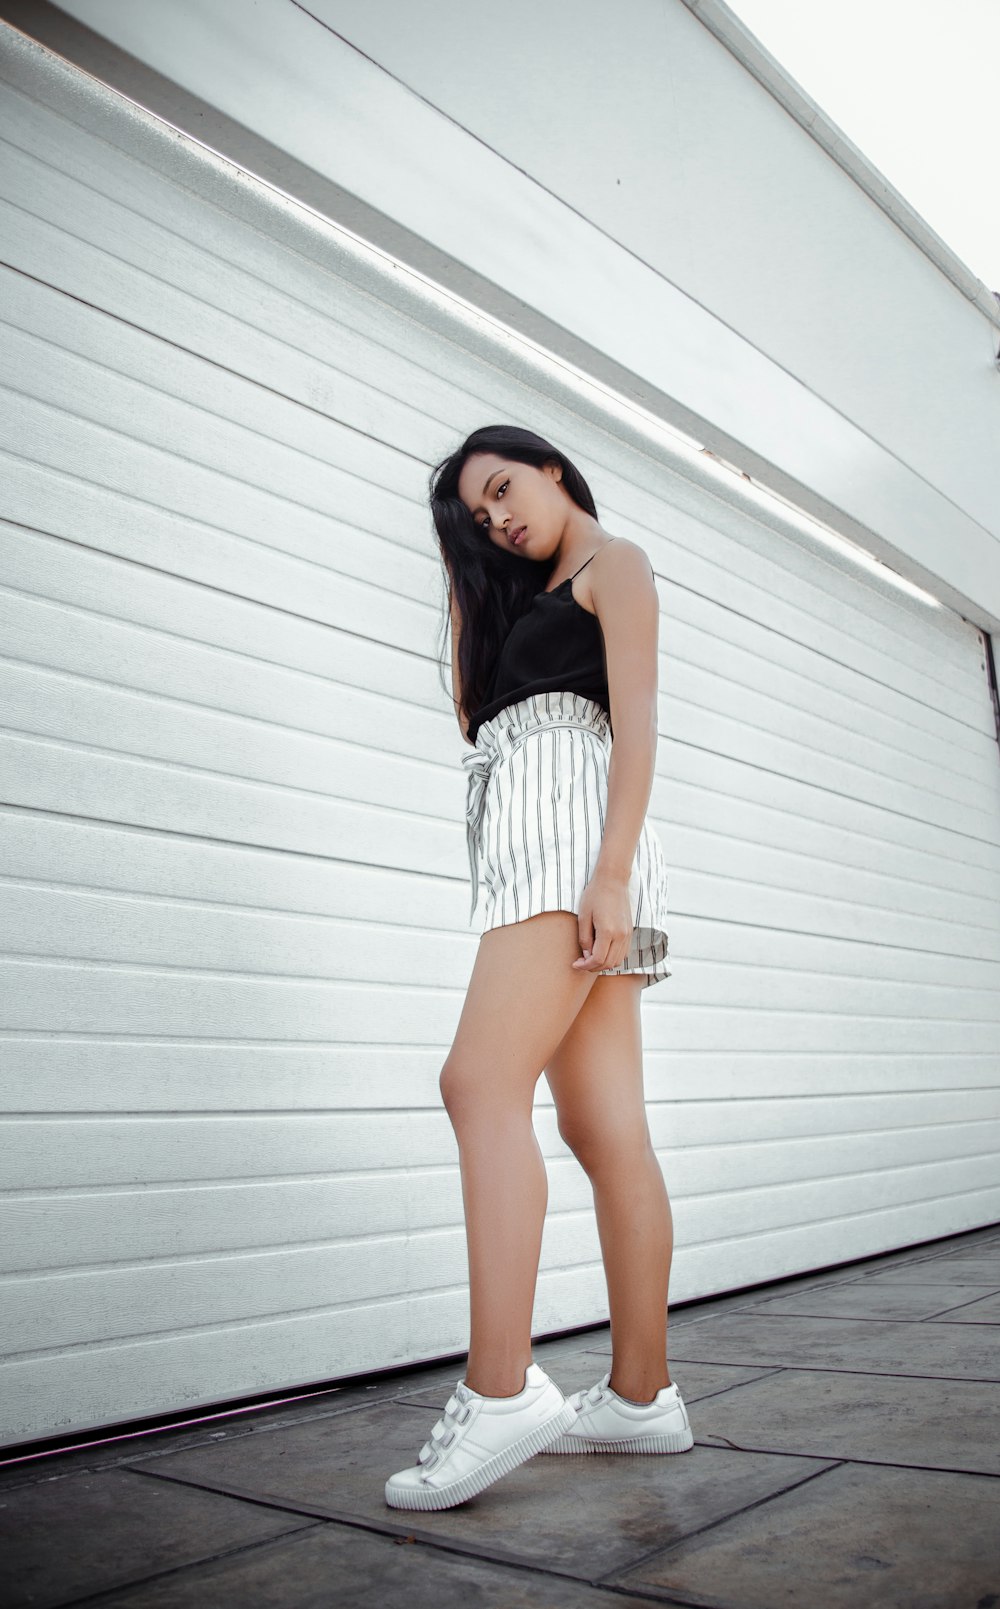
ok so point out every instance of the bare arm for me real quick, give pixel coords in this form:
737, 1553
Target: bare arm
628, 608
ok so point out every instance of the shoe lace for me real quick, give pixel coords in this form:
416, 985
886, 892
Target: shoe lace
457, 1412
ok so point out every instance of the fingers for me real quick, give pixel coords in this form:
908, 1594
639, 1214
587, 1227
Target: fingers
602, 947
600, 957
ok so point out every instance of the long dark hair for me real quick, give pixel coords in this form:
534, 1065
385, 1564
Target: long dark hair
491, 588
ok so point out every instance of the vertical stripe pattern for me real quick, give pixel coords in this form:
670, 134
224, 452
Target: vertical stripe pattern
537, 801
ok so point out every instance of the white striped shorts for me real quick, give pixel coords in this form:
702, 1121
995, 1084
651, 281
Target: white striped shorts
537, 800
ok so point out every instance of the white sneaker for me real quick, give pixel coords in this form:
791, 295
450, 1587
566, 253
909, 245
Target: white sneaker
608, 1423
478, 1439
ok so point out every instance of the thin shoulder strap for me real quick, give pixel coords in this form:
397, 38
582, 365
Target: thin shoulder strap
592, 556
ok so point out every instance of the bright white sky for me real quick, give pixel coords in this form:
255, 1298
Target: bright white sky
915, 84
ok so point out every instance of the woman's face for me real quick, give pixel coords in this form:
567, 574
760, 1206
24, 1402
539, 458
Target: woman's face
505, 496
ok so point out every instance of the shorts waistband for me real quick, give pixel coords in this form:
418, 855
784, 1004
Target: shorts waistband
498, 737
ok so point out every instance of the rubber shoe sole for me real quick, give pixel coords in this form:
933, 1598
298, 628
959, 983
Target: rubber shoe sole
606, 1411
477, 1480
678, 1441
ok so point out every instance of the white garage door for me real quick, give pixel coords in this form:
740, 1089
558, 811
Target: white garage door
234, 866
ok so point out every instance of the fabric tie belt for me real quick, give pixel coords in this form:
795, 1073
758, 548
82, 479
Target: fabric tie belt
479, 763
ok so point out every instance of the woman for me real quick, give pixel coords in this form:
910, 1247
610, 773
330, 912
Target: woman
554, 653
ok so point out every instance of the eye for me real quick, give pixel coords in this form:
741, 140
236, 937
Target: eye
484, 525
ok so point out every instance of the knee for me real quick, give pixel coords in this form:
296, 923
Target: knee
455, 1084
479, 1104
583, 1143
612, 1147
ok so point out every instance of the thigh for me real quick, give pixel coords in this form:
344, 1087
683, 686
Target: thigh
522, 996
596, 1073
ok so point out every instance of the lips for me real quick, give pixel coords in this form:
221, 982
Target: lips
518, 535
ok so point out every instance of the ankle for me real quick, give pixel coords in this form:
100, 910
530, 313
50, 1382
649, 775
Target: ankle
641, 1394
497, 1385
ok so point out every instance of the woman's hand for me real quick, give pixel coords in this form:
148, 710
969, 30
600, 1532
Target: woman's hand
605, 923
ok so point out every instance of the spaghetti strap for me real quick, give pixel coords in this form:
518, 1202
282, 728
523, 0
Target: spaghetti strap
592, 556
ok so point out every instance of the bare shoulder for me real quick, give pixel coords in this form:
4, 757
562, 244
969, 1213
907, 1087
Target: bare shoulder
620, 573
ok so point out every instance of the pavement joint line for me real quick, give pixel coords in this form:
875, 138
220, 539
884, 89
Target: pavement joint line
388, 1527
724, 1445
109, 1595
767, 1372
842, 1368
940, 1317
864, 1318
829, 1465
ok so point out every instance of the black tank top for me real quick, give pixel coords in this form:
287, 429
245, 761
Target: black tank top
556, 646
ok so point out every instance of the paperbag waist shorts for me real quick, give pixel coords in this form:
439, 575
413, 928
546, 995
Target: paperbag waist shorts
537, 802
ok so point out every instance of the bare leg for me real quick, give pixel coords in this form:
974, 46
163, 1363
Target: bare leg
597, 1085
522, 997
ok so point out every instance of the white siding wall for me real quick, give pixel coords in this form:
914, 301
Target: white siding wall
233, 848
638, 118
616, 182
